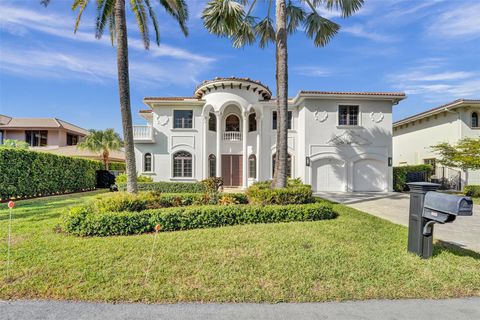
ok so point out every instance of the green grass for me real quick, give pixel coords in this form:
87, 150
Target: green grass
476, 200
356, 256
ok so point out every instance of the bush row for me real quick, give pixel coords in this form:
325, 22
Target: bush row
294, 193
82, 221
472, 191
116, 166
122, 201
122, 179
400, 175
168, 187
25, 173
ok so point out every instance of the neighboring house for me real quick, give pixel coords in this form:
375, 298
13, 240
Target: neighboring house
414, 136
337, 141
41, 133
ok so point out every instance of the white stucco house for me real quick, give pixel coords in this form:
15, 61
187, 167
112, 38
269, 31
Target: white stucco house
414, 136
337, 141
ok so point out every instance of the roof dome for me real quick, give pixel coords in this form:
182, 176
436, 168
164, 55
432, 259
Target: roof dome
233, 82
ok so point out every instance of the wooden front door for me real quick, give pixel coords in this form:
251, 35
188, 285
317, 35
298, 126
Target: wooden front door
232, 170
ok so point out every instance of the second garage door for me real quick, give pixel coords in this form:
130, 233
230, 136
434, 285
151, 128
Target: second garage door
328, 175
369, 175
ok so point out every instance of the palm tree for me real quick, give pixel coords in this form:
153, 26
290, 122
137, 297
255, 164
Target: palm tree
234, 19
112, 13
103, 142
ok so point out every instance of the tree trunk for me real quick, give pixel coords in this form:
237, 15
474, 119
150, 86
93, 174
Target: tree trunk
124, 92
106, 155
280, 176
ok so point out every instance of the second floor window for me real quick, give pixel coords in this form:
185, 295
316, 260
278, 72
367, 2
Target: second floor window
232, 123
36, 138
212, 122
474, 120
182, 119
72, 139
348, 115
274, 120
252, 122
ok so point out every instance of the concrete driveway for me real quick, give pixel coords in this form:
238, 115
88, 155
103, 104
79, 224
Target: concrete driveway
463, 232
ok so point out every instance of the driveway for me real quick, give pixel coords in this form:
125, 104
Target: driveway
454, 309
392, 206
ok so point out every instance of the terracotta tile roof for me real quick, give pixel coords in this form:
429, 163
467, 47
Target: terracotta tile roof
387, 94
201, 89
439, 108
26, 123
146, 111
170, 98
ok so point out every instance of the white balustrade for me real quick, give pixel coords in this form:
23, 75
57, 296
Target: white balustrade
142, 133
232, 136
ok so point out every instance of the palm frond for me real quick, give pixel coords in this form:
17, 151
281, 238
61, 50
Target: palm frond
346, 7
44, 2
295, 16
104, 9
152, 15
80, 5
223, 17
141, 16
246, 34
265, 31
179, 10
111, 26
319, 29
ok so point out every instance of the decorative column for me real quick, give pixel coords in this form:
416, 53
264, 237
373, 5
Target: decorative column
218, 114
245, 151
259, 144
204, 143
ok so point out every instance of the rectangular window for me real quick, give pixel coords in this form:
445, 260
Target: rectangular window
1, 137
289, 121
72, 139
182, 119
431, 162
348, 115
36, 138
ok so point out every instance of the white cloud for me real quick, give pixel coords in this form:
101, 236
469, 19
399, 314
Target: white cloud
460, 22
311, 71
361, 32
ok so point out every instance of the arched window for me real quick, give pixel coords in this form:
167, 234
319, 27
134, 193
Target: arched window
252, 166
474, 120
232, 123
289, 165
182, 164
147, 162
212, 122
252, 122
212, 166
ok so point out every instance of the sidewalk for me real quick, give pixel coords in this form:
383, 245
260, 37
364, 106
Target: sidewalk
454, 309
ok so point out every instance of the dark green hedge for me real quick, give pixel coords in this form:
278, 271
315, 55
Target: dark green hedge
25, 173
116, 166
400, 175
262, 193
82, 221
168, 187
472, 191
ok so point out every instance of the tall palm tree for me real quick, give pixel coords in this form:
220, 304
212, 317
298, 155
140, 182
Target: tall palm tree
112, 13
234, 19
102, 142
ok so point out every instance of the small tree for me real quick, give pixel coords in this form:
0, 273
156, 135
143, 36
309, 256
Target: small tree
464, 155
102, 142
9, 143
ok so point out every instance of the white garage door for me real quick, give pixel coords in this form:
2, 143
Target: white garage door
369, 175
328, 175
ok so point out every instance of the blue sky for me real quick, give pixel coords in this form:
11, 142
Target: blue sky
428, 49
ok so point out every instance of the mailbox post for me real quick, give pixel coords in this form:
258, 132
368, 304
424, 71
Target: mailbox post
419, 243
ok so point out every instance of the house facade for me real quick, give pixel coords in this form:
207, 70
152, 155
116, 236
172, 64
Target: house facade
414, 136
41, 133
337, 141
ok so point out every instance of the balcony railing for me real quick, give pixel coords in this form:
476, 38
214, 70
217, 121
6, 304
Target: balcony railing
232, 136
143, 133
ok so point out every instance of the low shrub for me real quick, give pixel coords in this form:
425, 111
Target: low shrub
264, 194
168, 187
122, 201
116, 166
472, 191
400, 175
83, 221
212, 184
122, 178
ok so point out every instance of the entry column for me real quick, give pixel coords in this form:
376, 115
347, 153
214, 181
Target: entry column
245, 155
218, 161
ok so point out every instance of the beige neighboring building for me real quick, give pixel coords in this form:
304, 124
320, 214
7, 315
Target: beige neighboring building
414, 136
41, 133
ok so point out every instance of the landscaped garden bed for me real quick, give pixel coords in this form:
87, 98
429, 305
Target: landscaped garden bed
124, 214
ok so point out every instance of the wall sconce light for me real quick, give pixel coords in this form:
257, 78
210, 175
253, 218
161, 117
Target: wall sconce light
307, 161
389, 161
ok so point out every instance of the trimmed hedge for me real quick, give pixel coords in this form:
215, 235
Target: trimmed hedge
262, 193
25, 173
168, 187
122, 179
472, 191
82, 221
116, 166
122, 201
400, 175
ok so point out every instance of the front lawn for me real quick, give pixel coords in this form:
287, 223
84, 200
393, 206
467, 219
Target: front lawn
355, 256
